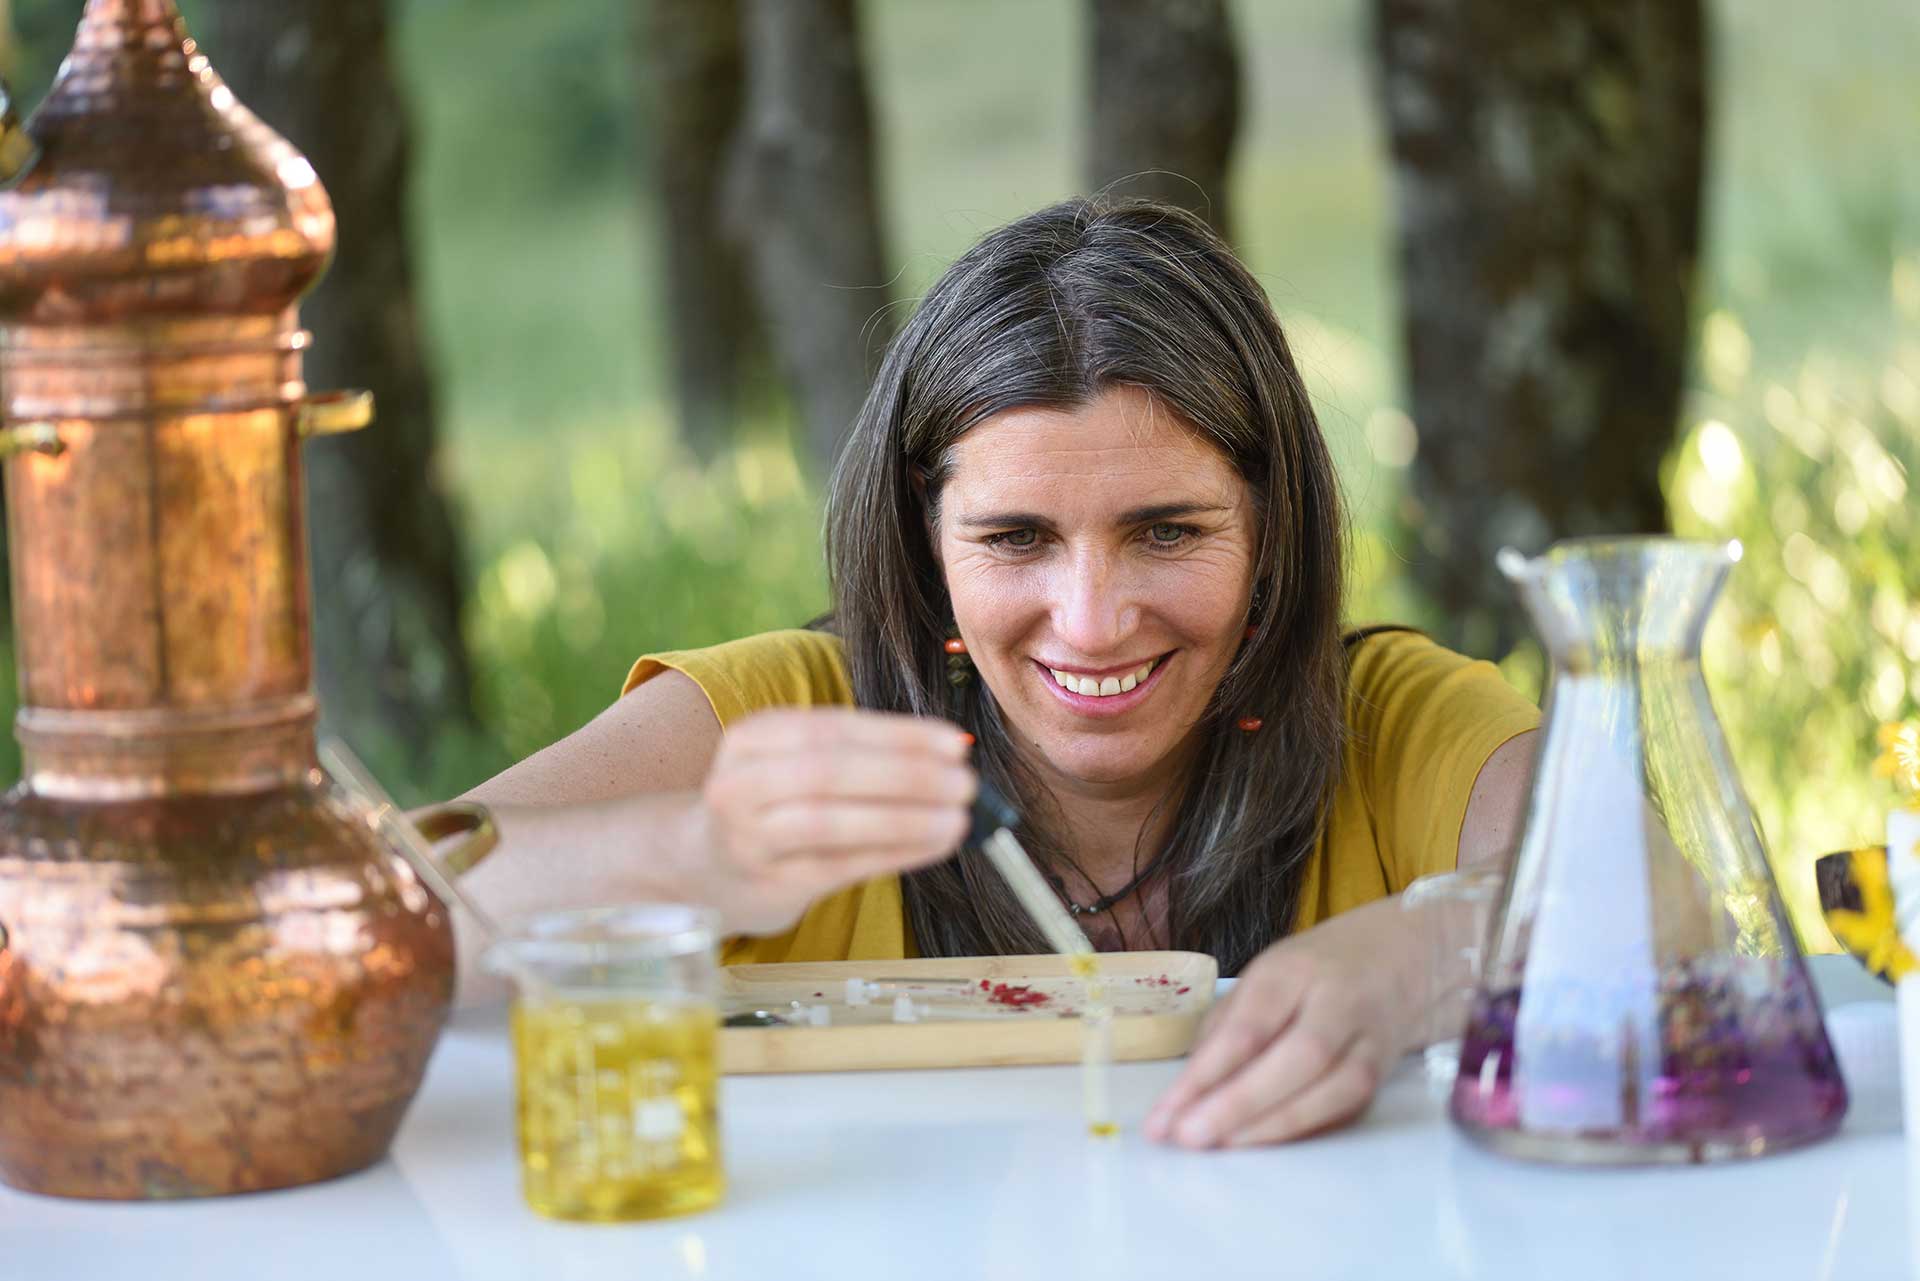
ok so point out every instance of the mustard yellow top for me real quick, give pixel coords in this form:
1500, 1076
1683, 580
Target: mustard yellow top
1422, 721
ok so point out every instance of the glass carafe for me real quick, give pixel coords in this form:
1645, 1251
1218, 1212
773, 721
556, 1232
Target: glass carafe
1643, 998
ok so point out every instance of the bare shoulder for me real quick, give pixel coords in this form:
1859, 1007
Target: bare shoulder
661, 737
1497, 808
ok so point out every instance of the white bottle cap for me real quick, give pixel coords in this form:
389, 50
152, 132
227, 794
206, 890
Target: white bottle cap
1903, 872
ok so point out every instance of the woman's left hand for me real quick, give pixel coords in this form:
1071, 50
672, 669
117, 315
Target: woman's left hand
1299, 1045
1318, 1020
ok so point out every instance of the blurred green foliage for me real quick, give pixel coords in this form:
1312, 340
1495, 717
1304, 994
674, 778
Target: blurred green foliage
593, 537
631, 538
1818, 639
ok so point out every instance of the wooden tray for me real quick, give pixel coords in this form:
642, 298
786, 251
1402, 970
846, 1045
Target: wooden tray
1158, 999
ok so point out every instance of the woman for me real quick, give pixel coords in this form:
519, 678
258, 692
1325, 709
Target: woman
1086, 539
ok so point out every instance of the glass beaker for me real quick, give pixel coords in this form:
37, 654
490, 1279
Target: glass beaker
615, 1037
1643, 998
1451, 911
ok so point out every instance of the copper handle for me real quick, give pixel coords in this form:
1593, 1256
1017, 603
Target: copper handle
332, 412
18, 150
31, 438
459, 818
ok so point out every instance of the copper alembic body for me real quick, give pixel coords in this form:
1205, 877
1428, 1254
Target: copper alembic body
214, 977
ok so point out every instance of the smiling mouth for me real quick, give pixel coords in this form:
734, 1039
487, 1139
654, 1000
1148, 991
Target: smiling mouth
1107, 686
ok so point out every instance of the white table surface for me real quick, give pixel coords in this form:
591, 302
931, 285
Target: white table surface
989, 1174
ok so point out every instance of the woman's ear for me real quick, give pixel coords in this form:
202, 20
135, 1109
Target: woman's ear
917, 477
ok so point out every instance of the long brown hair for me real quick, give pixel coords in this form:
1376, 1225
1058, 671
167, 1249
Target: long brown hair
1049, 311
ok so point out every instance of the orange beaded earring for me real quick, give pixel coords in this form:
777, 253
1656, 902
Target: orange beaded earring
959, 666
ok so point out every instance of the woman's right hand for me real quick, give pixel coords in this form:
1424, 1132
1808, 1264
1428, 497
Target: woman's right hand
804, 801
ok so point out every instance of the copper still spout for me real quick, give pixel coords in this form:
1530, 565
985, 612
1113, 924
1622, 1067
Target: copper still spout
213, 976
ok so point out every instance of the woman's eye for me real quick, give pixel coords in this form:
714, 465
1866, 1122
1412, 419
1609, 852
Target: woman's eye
1168, 535
1018, 539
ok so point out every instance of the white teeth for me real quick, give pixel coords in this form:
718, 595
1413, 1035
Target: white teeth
1096, 687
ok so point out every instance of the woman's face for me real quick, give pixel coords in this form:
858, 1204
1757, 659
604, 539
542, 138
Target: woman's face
1100, 562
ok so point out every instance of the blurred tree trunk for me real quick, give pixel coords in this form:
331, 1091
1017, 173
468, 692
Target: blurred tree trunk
9, 67
803, 198
388, 578
1166, 102
693, 66
1547, 164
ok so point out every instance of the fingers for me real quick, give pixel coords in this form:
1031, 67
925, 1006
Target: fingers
1296, 1062
835, 755
1217, 1013
1296, 1048
1261, 1006
849, 774
1336, 1096
813, 827
803, 801
832, 729
820, 874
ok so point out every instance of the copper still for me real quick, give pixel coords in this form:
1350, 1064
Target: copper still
214, 977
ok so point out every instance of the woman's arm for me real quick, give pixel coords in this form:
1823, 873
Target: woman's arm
650, 801
1490, 833
1317, 1020
607, 814
660, 738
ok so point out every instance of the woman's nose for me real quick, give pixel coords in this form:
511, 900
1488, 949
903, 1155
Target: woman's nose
1096, 611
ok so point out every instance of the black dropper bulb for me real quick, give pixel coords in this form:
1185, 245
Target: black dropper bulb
991, 812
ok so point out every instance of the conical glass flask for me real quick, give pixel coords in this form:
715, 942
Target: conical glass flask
1643, 998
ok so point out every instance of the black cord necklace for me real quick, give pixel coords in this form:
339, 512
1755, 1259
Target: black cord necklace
1105, 901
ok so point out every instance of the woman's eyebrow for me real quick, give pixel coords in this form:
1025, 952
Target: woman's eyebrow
1169, 511
1005, 520
1133, 516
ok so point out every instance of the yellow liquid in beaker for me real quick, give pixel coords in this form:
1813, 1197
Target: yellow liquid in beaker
616, 1102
